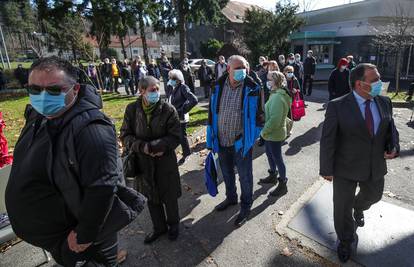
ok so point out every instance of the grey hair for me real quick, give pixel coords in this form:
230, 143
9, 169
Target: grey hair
176, 74
235, 58
147, 82
279, 78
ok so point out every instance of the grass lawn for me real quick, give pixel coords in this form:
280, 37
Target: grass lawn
402, 95
114, 106
14, 64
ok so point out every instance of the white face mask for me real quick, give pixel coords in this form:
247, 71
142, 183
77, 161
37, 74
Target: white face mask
269, 84
297, 59
289, 75
343, 68
291, 61
309, 55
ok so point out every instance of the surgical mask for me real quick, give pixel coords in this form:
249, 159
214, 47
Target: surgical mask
153, 97
309, 55
376, 88
343, 67
289, 75
173, 83
297, 59
47, 104
185, 61
291, 61
282, 61
239, 75
269, 84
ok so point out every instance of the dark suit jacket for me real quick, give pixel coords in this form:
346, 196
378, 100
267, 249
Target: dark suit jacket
347, 150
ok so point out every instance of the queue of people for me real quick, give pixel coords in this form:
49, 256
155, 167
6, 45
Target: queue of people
80, 200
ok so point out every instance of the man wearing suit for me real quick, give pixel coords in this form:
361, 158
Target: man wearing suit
354, 145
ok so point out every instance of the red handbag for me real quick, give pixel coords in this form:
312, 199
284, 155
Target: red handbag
298, 107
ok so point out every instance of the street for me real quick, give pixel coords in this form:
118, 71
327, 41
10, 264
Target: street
209, 238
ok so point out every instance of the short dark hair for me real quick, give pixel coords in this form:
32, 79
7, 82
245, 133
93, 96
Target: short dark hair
358, 73
54, 62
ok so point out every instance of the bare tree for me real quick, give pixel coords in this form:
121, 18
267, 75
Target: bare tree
396, 36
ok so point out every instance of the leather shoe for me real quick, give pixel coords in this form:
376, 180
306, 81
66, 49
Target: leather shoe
359, 218
344, 251
241, 218
271, 179
280, 190
173, 232
225, 204
151, 237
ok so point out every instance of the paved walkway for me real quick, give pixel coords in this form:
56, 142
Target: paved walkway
209, 237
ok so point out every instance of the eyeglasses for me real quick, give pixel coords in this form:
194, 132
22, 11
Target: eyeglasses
52, 90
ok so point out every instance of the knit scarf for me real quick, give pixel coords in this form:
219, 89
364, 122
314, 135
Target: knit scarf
148, 110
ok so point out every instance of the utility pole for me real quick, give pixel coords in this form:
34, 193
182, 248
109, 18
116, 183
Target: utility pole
5, 48
2, 59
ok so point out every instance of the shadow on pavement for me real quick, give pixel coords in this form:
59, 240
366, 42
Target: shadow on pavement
309, 138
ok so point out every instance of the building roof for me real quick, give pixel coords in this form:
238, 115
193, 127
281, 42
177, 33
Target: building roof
234, 11
135, 42
362, 10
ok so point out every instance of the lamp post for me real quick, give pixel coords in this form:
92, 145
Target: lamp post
5, 48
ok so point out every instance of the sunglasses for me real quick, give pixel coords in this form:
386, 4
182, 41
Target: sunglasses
52, 90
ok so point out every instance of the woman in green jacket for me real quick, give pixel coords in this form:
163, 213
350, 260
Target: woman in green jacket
274, 131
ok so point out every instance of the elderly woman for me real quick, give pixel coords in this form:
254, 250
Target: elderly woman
274, 131
151, 129
180, 96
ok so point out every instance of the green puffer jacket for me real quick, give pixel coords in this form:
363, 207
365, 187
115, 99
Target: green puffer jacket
276, 111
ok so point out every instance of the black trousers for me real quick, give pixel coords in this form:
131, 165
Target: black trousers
102, 253
184, 140
115, 84
308, 80
344, 199
164, 214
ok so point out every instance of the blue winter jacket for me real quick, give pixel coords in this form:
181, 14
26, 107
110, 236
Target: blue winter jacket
252, 115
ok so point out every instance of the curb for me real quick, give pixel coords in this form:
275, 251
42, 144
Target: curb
408, 105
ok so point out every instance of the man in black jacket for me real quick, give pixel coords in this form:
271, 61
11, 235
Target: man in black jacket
355, 143
64, 193
309, 68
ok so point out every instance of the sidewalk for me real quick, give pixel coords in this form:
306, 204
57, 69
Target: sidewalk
210, 238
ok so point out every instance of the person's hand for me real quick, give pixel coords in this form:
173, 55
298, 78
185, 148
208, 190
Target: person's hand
73, 243
146, 149
294, 91
328, 178
391, 155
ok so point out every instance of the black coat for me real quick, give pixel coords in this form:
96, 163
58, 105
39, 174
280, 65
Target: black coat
347, 150
84, 167
205, 75
338, 84
309, 66
159, 179
188, 75
182, 99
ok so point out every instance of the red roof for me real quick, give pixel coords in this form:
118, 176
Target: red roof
116, 43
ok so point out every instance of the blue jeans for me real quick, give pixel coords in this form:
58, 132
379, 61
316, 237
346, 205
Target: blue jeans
274, 156
228, 158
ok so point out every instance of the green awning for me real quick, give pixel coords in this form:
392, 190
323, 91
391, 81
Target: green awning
322, 42
312, 35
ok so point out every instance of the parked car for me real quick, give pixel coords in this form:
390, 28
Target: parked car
196, 63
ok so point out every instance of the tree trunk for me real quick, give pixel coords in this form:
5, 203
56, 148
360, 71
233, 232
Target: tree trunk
398, 72
75, 58
143, 37
182, 30
121, 39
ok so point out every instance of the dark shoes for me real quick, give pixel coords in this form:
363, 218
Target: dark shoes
242, 218
359, 218
151, 237
225, 204
173, 232
344, 251
280, 190
271, 179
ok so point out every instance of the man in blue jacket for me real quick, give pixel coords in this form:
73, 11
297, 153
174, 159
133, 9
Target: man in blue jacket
235, 121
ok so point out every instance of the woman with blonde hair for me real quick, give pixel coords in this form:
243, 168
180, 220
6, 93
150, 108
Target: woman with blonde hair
275, 131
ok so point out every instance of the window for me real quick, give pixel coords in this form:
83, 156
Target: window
135, 51
322, 53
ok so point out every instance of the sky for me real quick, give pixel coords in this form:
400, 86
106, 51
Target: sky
315, 4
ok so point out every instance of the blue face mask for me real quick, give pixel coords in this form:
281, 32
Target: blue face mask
376, 88
153, 97
173, 83
240, 75
47, 104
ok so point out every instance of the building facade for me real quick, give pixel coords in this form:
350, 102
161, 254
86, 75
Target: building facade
335, 32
